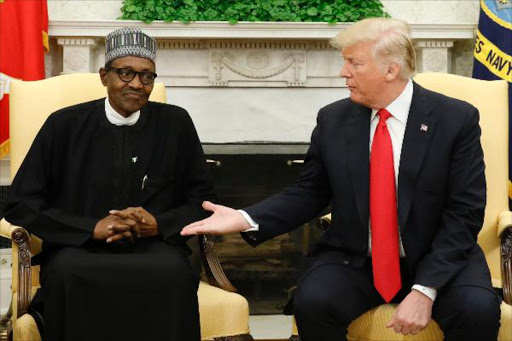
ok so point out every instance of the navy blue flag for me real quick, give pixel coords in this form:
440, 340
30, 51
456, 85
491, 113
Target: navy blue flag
493, 52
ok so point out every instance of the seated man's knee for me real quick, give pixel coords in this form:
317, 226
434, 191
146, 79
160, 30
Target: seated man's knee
328, 294
312, 302
474, 308
61, 266
176, 271
484, 311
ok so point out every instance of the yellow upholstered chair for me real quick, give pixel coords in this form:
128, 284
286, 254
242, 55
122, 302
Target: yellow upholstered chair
495, 238
224, 315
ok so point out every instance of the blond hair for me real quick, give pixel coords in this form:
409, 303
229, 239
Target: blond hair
392, 42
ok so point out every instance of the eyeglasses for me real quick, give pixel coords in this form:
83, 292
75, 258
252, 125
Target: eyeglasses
127, 75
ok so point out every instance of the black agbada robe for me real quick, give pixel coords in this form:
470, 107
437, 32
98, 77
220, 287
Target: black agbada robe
79, 167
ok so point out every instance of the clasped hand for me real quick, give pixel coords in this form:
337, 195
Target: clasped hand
130, 223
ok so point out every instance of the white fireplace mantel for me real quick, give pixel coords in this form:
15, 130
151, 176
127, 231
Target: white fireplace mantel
243, 30
220, 46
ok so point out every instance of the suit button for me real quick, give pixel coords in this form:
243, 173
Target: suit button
345, 262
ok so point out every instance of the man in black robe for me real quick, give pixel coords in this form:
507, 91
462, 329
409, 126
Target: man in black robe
108, 185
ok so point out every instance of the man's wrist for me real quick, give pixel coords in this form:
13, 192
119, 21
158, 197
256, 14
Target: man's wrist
254, 226
427, 291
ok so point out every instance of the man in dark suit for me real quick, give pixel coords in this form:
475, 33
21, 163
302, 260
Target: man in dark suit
403, 170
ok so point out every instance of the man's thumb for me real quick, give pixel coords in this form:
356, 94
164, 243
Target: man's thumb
209, 206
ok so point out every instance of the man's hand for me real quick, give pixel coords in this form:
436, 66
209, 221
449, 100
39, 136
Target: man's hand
113, 228
412, 314
145, 223
223, 220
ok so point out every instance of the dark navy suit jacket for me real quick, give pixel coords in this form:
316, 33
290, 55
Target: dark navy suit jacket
441, 190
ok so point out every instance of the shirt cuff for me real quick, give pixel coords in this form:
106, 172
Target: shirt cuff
254, 225
427, 291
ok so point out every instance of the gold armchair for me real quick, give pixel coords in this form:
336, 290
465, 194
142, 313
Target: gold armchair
495, 238
224, 315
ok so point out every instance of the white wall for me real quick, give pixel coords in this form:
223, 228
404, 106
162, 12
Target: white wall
434, 11
84, 10
5, 280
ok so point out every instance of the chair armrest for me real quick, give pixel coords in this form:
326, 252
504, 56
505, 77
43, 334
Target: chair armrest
212, 266
505, 234
506, 264
323, 223
21, 267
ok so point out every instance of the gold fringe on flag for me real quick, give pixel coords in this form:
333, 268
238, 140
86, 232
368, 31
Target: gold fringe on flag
46, 41
4, 149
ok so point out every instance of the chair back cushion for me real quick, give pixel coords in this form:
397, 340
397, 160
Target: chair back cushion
491, 99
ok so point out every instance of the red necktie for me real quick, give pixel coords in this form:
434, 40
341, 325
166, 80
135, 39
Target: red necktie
383, 213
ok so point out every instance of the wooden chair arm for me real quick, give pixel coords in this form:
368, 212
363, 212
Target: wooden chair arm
323, 223
506, 264
21, 238
21, 266
212, 266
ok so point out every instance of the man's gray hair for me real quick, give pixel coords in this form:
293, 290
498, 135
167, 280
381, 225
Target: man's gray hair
392, 42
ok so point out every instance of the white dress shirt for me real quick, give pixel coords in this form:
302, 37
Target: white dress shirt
399, 110
117, 119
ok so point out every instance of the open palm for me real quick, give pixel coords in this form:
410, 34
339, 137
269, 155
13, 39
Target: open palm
223, 220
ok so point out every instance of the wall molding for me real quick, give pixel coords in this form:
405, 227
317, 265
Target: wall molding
242, 30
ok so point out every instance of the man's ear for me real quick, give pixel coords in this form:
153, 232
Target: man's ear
392, 72
103, 76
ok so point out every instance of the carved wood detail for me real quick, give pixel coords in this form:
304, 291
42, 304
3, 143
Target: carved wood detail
323, 223
212, 266
506, 264
21, 238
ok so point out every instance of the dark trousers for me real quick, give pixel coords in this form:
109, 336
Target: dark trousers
331, 295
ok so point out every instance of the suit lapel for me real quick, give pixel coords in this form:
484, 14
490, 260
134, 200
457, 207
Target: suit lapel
358, 133
418, 132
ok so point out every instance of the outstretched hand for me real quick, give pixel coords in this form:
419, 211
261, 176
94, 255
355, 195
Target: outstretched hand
223, 220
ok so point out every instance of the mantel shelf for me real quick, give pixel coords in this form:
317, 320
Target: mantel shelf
243, 30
